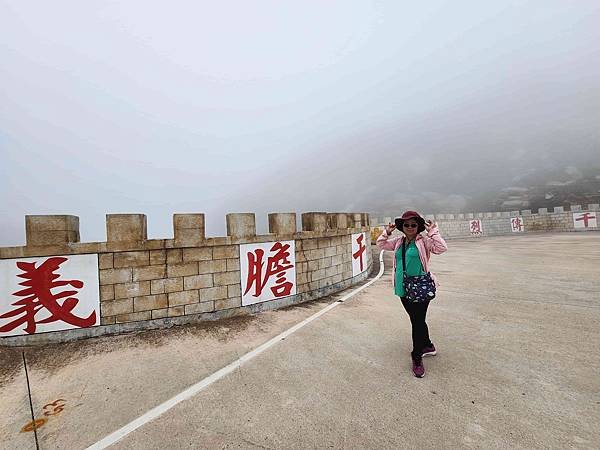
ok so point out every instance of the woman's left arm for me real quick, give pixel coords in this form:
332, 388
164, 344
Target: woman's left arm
434, 242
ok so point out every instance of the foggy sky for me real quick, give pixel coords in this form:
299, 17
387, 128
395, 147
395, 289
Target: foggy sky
266, 106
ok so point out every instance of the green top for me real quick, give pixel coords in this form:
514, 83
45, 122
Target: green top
413, 266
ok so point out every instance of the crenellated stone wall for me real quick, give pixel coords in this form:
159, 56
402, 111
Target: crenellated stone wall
453, 226
151, 283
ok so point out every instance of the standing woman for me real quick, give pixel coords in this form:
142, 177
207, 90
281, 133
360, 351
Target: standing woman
417, 249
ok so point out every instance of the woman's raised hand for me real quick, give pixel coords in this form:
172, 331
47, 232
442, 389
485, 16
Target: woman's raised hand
429, 225
391, 227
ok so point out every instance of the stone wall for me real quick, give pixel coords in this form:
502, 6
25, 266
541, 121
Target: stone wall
160, 282
454, 226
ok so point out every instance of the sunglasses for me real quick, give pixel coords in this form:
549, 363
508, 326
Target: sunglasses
409, 225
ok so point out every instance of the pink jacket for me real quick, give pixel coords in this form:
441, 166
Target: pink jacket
432, 243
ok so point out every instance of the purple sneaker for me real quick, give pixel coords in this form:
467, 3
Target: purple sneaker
429, 350
418, 368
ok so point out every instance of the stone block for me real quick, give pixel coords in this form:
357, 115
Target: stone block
149, 273
134, 317
182, 269
199, 308
131, 259
107, 292
215, 293
160, 313
226, 251
575, 208
183, 298
330, 251
240, 225
105, 261
337, 221
197, 254
158, 257
198, 281
114, 276
226, 278
314, 221
173, 284
174, 255
114, 307
324, 262
227, 303
323, 242
234, 264
46, 230
127, 290
282, 223
188, 229
212, 266
176, 311
107, 320
234, 290
126, 227
150, 302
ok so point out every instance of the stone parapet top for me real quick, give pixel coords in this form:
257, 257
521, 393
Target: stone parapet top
159, 244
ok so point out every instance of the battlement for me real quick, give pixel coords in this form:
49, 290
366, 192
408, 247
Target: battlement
497, 214
54, 234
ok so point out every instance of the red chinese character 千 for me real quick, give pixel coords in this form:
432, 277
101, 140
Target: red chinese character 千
360, 251
38, 296
585, 217
276, 265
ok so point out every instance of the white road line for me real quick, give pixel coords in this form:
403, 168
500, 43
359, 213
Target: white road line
194, 389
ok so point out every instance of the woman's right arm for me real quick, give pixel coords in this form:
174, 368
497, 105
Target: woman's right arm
384, 242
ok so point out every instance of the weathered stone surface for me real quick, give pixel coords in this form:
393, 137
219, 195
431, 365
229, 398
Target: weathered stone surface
136, 289
131, 259
149, 273
227, 303
150, 302
114, 276
182, 269
199, 308
126, 227
114, 307
198, 281
241, 225
214, 293
197, 254
314, 221
105, 261
212, 266
226, 278
183, 298
282, 223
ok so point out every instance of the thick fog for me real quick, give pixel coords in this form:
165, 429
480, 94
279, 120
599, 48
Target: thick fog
266, 106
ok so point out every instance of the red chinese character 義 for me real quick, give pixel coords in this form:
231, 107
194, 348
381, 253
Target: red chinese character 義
517, 224
475, 226
585, 217
38, 295
360, 251
276, 265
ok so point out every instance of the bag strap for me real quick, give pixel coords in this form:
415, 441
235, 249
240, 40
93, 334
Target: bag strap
403, 257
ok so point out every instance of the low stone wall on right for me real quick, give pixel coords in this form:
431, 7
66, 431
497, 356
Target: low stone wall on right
463, 225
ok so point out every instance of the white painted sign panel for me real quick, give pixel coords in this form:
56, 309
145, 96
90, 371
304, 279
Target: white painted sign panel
48, 293
517, 225
359, 253
267, 271
582, 220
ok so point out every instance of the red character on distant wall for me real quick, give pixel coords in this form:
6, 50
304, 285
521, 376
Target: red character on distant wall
586, 218
276, 265
475, 226
38, 295
361, 250
517, 224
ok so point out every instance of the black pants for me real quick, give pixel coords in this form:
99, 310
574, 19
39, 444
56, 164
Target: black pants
420, 332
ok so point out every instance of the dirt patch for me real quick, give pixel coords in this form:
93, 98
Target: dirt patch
11, 363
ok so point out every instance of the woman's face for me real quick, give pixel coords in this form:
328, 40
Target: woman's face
409, 228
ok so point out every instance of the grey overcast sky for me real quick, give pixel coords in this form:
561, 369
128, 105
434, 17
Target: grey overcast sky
271, 106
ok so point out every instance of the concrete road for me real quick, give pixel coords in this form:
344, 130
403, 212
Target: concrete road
516, 326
